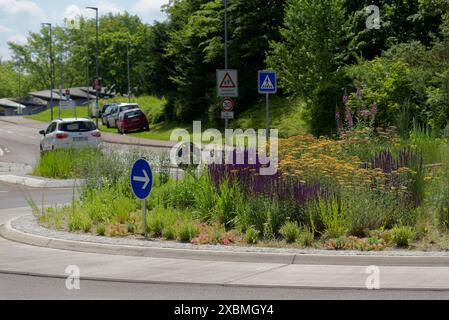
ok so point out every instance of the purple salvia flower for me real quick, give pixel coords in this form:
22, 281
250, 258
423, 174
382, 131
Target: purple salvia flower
359, 92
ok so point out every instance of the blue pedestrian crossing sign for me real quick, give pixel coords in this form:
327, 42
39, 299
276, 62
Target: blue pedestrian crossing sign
141, 179
267, 82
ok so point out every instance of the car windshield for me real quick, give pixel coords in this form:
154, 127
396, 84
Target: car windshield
77, 126
133, 114
108, 110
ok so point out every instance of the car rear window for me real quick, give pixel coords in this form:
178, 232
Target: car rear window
77, 126
133, 114
124, 108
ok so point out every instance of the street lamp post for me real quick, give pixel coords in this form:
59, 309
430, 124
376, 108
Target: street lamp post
96, 61
51, 68
87, 77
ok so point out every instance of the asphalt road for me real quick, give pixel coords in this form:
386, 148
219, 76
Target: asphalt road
20, 144
31, 287
13, 196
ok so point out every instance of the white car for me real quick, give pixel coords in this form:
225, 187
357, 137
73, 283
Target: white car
70, 133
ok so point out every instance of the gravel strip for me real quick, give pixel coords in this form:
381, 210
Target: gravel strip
29, 224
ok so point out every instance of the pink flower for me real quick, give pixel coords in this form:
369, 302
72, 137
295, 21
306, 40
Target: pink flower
349, 118
337, 116
365, 114
374, 109
359, 92
345, 100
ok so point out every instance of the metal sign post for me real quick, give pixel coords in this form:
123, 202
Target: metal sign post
142, 184
267, 81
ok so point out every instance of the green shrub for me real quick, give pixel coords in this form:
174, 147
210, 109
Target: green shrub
432, 148
79, 221
101, 229
230, 204
290, 231
369, 211
156, 226
205, 197
251, 236
169, 233
334, 216
306, 237
401, 236
187, 231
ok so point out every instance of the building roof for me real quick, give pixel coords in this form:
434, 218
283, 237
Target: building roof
76, 92
30, 101
46, 95
80, 92
7, 103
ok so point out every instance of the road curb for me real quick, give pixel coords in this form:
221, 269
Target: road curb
36, 182
136, 144
12, 234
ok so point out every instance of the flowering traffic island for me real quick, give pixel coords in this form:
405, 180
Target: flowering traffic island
367, 188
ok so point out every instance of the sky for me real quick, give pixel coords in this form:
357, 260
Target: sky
18, 17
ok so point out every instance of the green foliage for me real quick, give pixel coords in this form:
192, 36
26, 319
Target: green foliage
307, 57
186, 231
101, 229
290, 231
334, 215
306, 237
401, 236
65, 163
433, 149
251, 236
230, 204
79, 221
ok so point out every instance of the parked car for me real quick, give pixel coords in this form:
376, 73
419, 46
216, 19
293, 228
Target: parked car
106, 107
133, 119
70, 133
111, 120
106, 113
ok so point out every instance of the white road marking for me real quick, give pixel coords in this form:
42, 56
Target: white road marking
4, 191
1, 152
10, 132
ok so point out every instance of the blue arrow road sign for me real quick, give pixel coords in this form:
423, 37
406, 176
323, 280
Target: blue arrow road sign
142, 179
267, 82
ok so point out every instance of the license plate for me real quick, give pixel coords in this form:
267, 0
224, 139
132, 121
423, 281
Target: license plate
80, 139
135, 120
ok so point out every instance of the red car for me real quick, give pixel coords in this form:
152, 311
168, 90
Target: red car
131, 120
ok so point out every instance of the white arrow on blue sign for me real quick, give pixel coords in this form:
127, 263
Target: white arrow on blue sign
267, 82
142, 179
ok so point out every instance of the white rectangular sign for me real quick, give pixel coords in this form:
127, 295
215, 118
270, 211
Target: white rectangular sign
227, 83
227, 115
67, 105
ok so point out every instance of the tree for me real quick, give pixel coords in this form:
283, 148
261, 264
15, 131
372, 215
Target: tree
308, 57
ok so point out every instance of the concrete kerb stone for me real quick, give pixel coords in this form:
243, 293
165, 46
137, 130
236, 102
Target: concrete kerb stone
36, 182
9, 233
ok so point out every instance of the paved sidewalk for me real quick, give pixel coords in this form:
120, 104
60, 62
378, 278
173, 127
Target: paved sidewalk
24, 259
